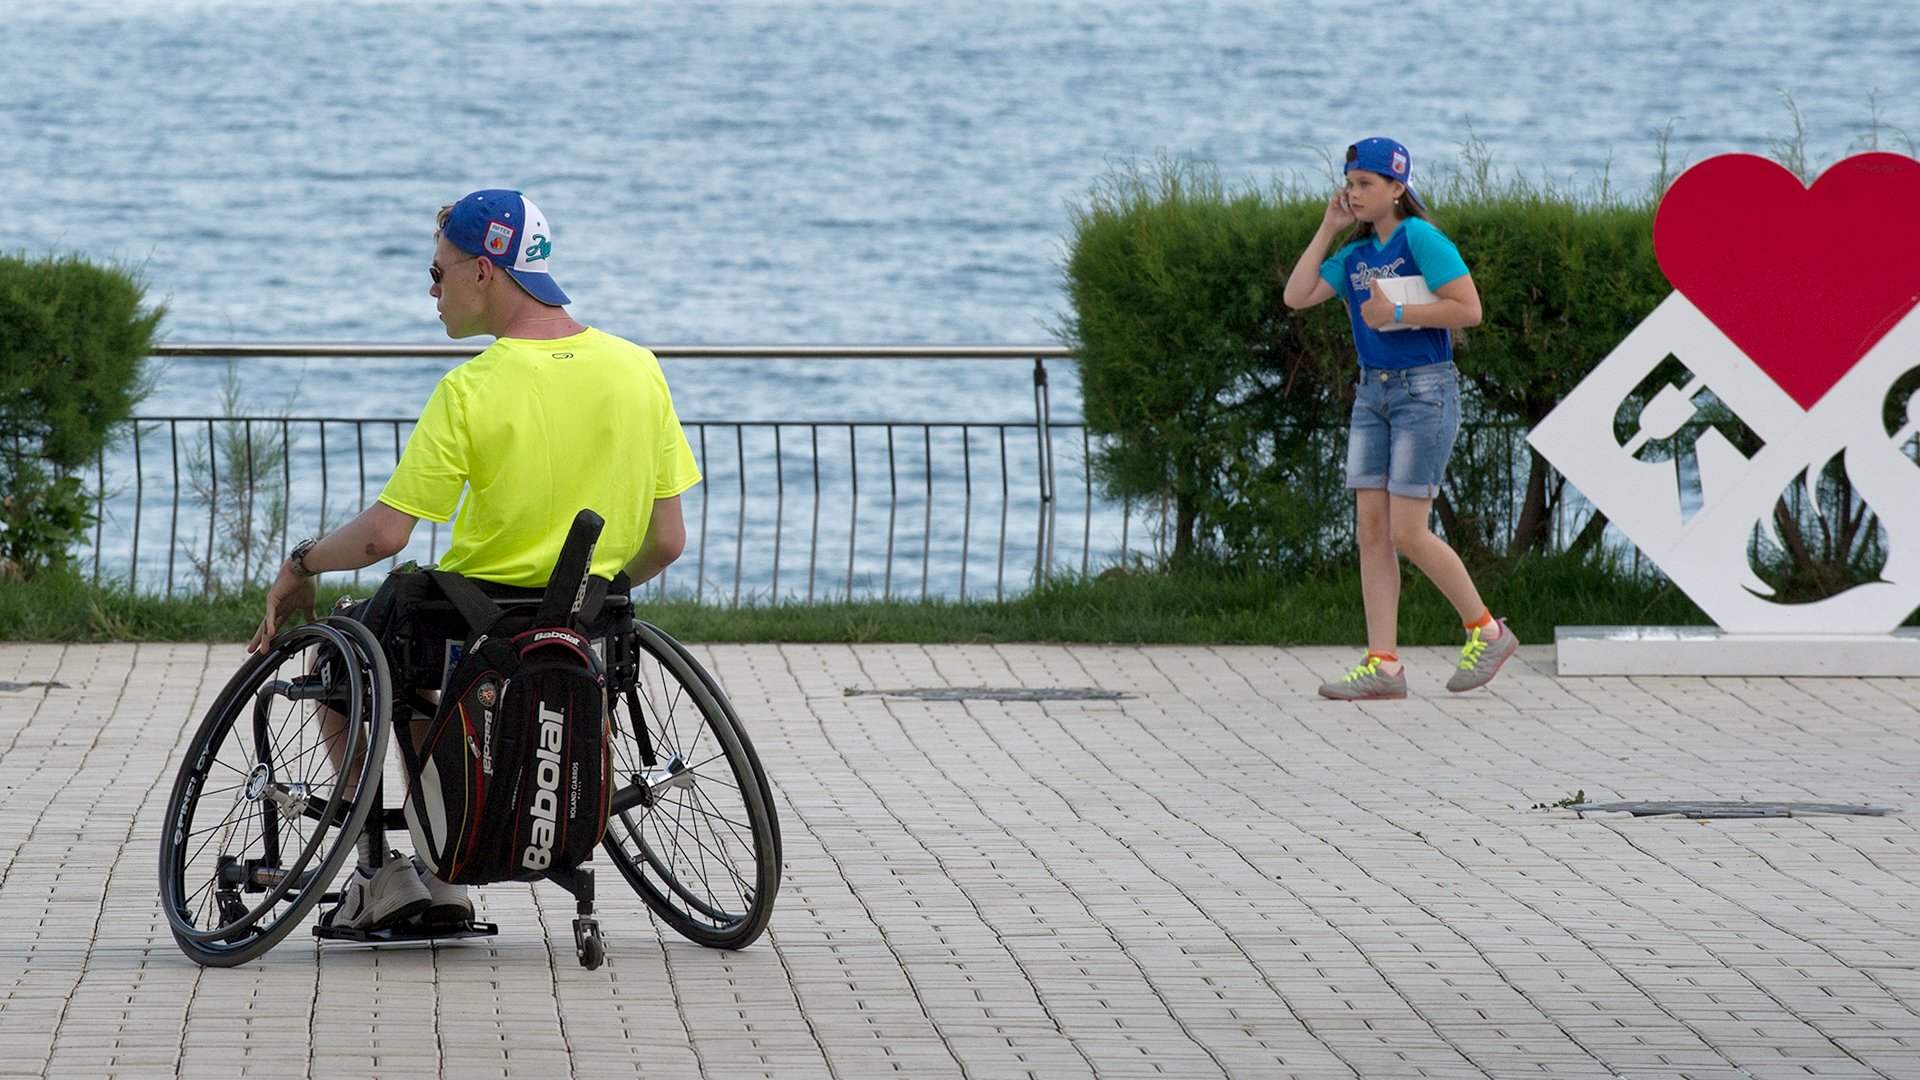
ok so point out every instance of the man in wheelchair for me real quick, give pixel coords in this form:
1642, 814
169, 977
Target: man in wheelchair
552, 417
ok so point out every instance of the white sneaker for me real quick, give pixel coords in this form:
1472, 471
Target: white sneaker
377, 899
450, 906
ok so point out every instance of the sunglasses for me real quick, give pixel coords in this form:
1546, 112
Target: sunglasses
435, 272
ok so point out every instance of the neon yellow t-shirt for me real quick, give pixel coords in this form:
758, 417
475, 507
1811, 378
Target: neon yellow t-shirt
533, 432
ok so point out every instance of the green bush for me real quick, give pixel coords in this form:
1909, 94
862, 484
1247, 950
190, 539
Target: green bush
1223, 405
1216, 400
72, 339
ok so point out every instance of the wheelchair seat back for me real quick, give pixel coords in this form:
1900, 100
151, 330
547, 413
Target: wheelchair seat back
438, 632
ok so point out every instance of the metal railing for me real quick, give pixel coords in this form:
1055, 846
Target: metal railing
801, 510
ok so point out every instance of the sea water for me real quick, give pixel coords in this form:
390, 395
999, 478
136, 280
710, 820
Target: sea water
816, 171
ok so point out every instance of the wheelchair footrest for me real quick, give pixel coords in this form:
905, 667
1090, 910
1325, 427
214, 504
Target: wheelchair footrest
394, 935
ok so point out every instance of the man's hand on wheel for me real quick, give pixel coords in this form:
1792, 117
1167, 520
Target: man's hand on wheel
290, 593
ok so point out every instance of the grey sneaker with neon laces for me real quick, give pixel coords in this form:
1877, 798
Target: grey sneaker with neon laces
1480, 659
1367, 683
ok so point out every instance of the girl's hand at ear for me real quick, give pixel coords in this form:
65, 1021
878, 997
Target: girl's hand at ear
1338, 216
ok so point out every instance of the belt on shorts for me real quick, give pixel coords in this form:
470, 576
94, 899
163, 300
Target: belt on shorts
1379, 374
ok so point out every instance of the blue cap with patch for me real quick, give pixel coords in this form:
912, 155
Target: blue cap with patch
506, 228
1386, 157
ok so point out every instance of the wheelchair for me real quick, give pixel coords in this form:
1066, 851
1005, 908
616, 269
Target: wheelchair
285, 773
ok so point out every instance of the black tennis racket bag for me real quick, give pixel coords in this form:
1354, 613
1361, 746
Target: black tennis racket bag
513, 779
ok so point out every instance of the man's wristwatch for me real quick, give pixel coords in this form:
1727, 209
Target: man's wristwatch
297, 558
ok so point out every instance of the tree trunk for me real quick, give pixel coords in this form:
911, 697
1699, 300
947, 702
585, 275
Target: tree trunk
1185, 513
1532, 532
1589, 534
1450, 523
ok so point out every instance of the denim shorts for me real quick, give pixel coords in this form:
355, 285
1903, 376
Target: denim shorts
1403, 427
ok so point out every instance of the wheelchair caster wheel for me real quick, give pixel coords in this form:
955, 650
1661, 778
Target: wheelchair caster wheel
587, 944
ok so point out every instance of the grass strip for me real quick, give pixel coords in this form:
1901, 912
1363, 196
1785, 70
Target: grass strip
1193, 608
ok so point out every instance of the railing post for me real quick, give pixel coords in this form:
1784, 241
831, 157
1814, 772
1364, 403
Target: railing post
853, 507
779, 512
245, 509
813, 538
1043, 419
99, 508
210, 579
926, 526
700, 561
893, 512
966, 504
399, 449
286, 490
360, 455
139, 494
320, 527
173, 522
1006, 504
740, 518
1086, 528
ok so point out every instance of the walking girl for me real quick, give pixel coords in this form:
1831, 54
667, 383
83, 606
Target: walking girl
1406, 408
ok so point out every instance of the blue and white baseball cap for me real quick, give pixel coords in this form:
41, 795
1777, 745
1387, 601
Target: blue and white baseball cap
505, 227
1386, 157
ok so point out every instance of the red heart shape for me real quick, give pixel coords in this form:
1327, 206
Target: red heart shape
1803, 279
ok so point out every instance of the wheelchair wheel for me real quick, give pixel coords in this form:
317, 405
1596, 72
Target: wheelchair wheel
265, 808
692, 827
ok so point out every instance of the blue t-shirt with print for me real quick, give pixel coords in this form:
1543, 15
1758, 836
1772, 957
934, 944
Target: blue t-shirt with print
1416, 247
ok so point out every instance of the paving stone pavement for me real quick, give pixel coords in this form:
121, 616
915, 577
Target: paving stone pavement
1218, 874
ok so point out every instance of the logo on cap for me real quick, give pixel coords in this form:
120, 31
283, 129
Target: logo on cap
499, 238
1399, 163
539, 249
